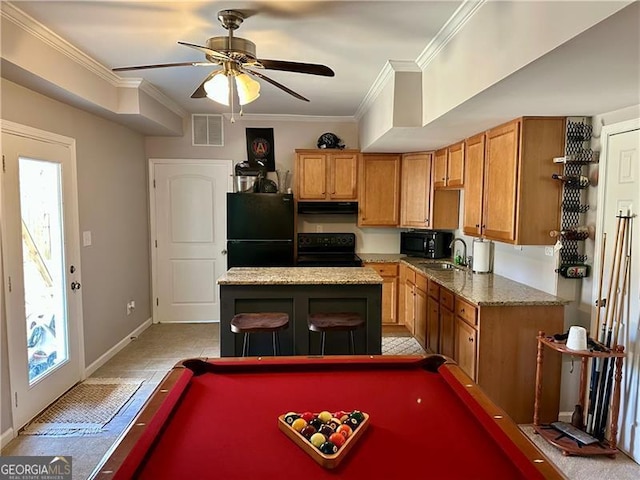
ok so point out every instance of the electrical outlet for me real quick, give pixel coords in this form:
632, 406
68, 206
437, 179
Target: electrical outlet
131, 306
548, 251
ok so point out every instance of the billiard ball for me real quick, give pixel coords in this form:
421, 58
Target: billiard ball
298, 424
308, 416
352, 422
317, 439
326, 430
328, 448
324, 416
339, 414
337, 439
290, 417
344, 430
334, 423
316, 422
358, 415
308, 431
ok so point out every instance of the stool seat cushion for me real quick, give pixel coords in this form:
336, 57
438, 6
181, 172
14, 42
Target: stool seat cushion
332, 321
259, 322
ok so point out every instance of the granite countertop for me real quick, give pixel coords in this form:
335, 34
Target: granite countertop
381, 257
484, 289
300, 276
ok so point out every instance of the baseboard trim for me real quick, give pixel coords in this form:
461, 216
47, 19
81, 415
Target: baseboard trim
116, 348
6, 437
565, 417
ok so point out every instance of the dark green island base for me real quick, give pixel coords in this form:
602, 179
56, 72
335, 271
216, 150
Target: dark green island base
298, 292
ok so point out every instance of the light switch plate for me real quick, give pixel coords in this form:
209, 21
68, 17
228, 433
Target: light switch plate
548, 251
86, 238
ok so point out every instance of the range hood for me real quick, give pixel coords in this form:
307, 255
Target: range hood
328, 208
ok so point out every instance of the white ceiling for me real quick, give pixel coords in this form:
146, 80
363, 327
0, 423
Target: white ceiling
354, 38
595, 72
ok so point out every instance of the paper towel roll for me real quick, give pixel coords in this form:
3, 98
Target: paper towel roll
481, 256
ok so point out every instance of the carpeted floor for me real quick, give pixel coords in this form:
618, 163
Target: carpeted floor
586, 468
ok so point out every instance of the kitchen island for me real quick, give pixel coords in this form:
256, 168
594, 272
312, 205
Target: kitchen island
299, 292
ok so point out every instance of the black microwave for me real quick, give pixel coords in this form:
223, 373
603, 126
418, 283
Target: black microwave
426, 243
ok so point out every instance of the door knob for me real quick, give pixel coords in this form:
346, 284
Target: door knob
223, 252
75, 285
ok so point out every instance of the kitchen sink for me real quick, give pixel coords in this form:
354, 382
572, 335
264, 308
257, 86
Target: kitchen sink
440, 266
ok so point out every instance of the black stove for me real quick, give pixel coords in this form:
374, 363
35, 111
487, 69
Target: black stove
327, 250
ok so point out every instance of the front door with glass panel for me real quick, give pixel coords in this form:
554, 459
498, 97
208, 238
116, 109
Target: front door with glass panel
41, 260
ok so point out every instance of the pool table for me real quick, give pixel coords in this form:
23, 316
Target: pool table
218, 418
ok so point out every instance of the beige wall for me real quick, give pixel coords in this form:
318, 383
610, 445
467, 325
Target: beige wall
112, 198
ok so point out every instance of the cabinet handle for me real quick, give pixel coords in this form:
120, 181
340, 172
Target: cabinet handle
462, 310
477, 225
471, 339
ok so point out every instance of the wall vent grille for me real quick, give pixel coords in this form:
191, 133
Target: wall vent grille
207, 130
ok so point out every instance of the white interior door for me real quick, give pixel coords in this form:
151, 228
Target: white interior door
41, 268
189, 215
621, 193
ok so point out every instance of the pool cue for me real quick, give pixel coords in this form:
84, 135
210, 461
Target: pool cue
607, 327
602, 426
593, 384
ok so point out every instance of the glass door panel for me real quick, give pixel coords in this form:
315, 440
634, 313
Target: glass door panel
43, 266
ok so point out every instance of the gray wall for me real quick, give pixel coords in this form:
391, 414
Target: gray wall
112, 198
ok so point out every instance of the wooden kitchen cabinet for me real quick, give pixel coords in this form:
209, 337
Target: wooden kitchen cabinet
466, 347
379, 190
420, 310
449, 165
321, 175
473, 182
406, 302
415, 191
433, 317
389, 274
521, 200
447, 323
422, 206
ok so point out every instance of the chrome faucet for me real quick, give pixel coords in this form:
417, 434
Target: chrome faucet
463, 260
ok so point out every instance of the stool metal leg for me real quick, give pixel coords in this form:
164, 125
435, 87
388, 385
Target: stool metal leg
324, 334
275, 351
245, 344
352, 344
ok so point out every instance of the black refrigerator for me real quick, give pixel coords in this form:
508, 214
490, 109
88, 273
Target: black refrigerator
260, 230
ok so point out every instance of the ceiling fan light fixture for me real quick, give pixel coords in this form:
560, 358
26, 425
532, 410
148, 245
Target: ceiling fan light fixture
217, 88
248, 88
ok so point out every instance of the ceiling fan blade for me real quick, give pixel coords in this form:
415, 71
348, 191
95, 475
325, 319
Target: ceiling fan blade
311, 68
163, 65
200, 91
207, 51
276, 84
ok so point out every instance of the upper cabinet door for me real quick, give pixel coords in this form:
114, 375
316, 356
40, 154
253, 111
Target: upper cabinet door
500, 182
379, 190
343, 176
311, 176
455, 166
474, 177
440, 168
415, 191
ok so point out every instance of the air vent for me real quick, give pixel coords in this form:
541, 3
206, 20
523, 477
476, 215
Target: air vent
207, 130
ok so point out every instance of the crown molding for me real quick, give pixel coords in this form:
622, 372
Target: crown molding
459, 19
30, 25
257, 117
385, 75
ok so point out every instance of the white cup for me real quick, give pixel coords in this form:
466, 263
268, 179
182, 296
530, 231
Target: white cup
577, 339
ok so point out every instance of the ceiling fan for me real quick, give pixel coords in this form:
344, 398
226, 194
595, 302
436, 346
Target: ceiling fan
237, 57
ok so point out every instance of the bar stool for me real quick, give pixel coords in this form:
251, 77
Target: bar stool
263, 322
324, 322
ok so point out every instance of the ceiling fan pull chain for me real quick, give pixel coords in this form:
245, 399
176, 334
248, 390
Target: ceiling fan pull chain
232, 96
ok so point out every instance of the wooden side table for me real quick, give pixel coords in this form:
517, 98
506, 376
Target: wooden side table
567, 445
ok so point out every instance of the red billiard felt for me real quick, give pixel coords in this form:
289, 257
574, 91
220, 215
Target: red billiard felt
225, 427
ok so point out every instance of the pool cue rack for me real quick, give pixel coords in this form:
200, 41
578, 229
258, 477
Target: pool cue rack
566, 444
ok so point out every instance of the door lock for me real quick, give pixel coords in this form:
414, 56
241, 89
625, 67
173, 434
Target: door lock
75, 285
